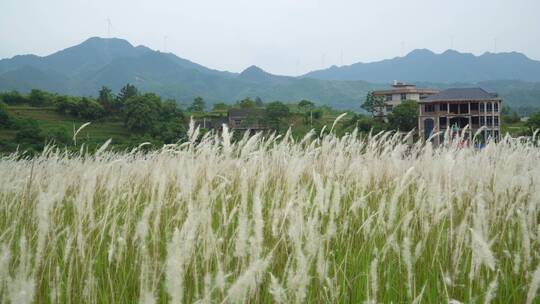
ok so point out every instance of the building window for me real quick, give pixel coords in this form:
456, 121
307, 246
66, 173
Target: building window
488, 107
443, 107
474, 106
496, 120
403, 96
389, 108
482, 121
429, 108
388, 97
464, 108
474, 120
496, 107
489, 121
496, 134
454, 108
442, 122
482, 107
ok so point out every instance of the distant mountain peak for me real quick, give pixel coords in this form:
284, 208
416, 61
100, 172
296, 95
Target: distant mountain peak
420, 52
451, 52
449, 66
254, 73
253, 69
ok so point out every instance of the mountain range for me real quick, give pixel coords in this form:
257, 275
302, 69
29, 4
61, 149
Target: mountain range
450, 66
83, 69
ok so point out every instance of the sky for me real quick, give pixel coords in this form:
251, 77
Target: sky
287, 37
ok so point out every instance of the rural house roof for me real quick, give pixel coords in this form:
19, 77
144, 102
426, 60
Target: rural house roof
239, 112
461, 94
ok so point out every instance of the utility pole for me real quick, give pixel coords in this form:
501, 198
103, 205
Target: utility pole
109, 26
165, 43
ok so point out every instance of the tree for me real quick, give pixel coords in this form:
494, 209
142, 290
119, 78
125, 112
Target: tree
66, 105
533, 123
198, 105
59, 135
276, 114
247, 103
509, 116
4, 116
142, 113
39, 98
30, 135
306, 105
220, 106
126, 93
365, 124
88, 108
373, 104
14, 97
106, 99
404, 117
259, 102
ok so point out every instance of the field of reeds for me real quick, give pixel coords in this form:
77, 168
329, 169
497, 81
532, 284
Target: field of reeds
273, 220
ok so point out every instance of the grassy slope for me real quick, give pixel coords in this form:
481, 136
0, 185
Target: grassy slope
48, 118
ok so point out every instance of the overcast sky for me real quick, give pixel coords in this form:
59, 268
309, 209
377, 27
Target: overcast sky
288, 37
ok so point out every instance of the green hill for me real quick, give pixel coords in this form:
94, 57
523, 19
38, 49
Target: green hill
83, 69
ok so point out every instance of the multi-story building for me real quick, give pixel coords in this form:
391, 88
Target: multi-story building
245, 119
457, 108
400, 92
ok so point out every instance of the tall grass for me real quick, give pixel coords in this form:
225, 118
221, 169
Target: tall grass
269, 219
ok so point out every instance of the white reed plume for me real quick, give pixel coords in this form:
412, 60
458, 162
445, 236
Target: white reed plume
481, 250
79, 130
533, 286
276, 290
491, 291
247, 281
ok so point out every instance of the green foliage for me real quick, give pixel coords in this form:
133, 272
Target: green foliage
142, 112
197, 106
89, 108
276, 115
13, 98
306, 105
533, 123
404, 117
66, 105
365, 124
30, 136
509, 116
126, 92
106, 99
58, 135
373, 104
40, 98
259, 102
5, 120
220, 106
247, 103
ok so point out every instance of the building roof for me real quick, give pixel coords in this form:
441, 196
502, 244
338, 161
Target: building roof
461, 94
239, 112
399, 90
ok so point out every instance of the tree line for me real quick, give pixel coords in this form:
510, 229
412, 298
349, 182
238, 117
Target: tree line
149, 118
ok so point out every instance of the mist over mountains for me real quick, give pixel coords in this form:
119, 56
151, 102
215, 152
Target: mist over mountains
83, 69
